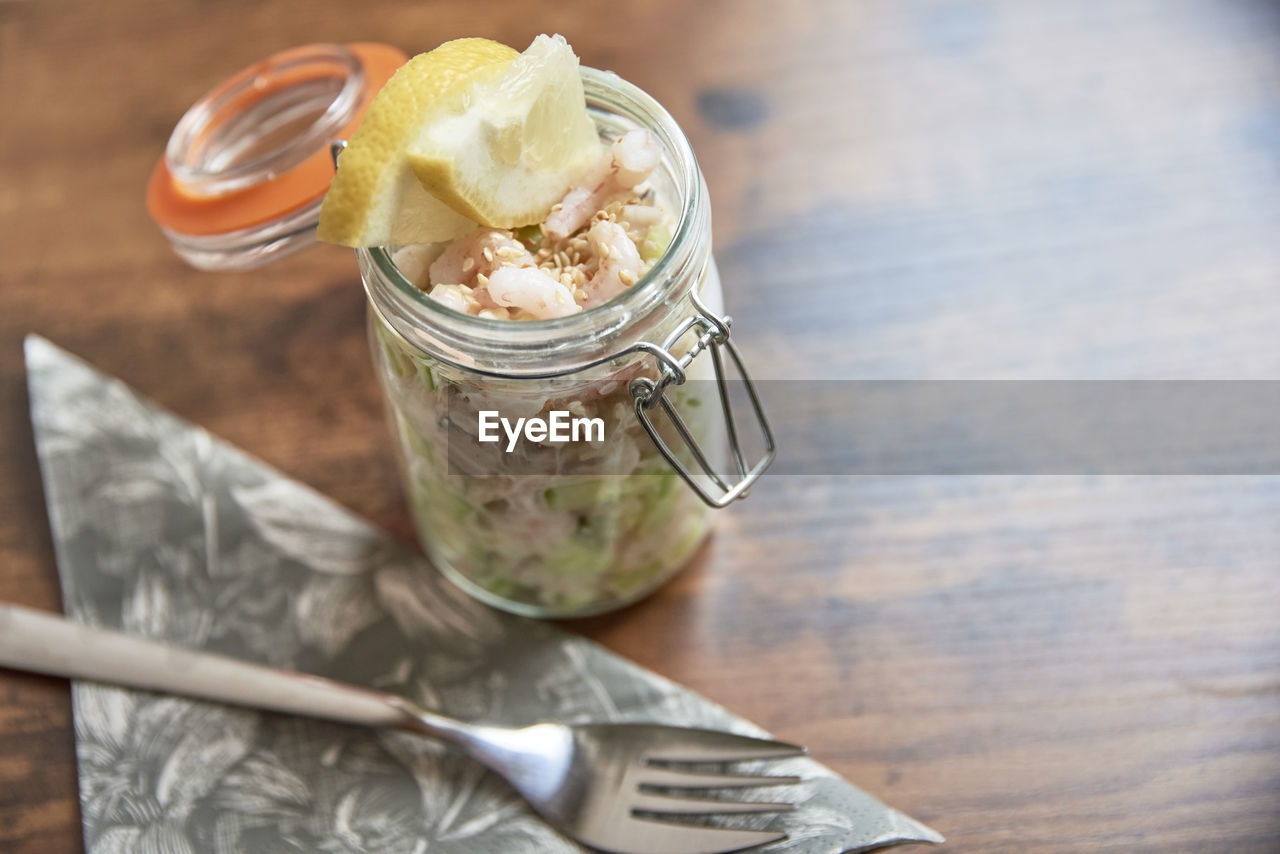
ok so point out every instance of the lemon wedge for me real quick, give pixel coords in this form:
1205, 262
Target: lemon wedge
518, 143
374, 198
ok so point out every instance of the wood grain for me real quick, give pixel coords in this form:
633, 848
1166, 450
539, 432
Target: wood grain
901, 189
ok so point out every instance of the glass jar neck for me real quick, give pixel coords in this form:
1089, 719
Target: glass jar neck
560, 346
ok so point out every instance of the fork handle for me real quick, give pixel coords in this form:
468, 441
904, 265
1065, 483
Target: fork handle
51, 644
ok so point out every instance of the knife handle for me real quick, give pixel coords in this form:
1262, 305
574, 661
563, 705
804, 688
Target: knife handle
51, 644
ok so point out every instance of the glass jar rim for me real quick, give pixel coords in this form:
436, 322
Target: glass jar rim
524, 348
205, 165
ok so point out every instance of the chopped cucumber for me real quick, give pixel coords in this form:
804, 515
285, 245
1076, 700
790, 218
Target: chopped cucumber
400, 363
655, 243
583, 495
530, 236
577, 558
403, 363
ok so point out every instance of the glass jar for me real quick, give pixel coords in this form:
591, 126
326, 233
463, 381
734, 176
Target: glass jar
576, 528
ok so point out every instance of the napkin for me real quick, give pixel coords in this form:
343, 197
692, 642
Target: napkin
163, 531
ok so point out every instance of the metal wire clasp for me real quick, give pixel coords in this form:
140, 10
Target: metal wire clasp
712, 334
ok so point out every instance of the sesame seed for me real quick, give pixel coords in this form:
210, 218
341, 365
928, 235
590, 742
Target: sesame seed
488, 254
627, 277
468, 264
558, 206
482, 279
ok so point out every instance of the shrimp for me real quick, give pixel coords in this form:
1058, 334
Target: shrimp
479, 253
413, 261
456, 297
618, 262
629, 161
531, 289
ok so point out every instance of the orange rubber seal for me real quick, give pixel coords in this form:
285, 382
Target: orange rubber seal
178, 210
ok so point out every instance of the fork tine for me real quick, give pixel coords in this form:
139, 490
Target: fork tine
664, 837
654, 802
653, 775
705, 745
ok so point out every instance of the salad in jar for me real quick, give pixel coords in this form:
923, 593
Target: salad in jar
485, 194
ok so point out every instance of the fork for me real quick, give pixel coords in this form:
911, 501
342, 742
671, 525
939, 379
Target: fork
617, 787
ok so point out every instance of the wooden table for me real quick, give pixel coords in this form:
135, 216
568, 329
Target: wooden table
902, 189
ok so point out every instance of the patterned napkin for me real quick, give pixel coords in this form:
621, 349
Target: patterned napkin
163, 531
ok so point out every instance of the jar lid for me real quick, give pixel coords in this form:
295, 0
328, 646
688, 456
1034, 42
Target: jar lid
246, 167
